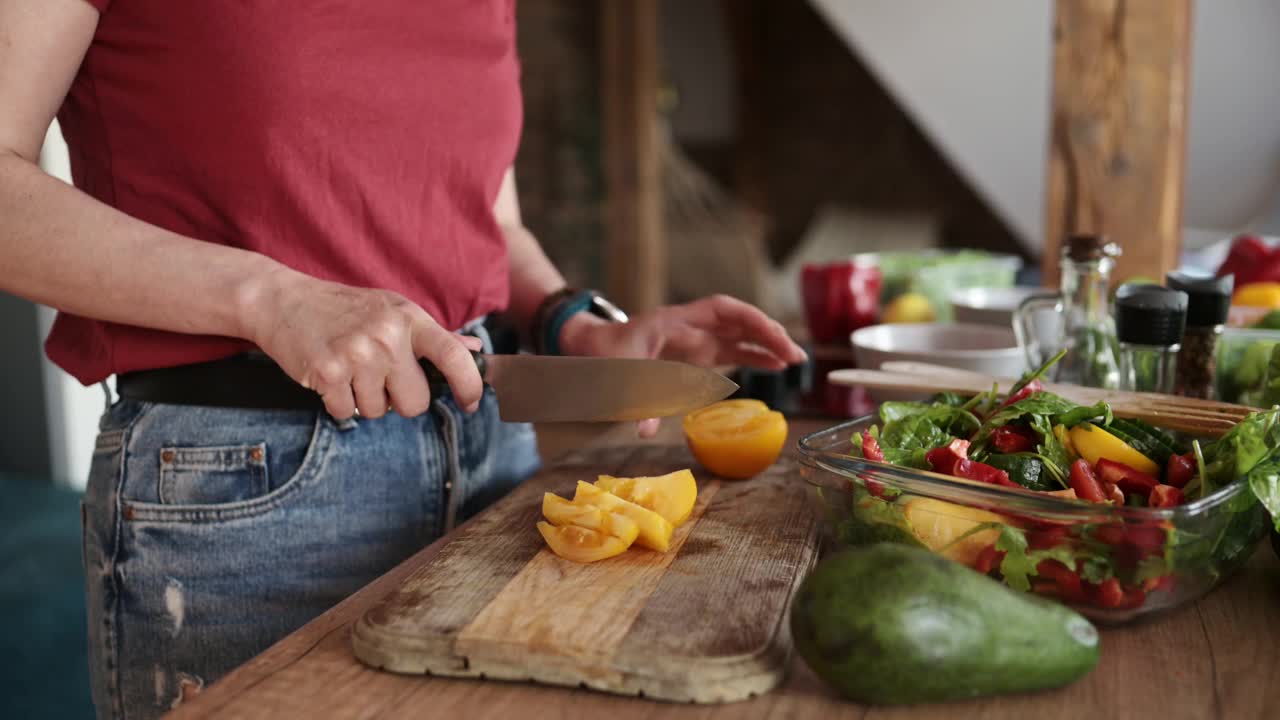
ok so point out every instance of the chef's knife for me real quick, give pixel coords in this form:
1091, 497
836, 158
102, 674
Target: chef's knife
541, 388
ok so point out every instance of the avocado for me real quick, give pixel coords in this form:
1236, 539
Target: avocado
892, 624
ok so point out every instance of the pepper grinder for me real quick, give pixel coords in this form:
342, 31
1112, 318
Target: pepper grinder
1149, 323
1208, 304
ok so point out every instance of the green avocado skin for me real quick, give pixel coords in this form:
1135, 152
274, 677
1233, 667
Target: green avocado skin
890, 624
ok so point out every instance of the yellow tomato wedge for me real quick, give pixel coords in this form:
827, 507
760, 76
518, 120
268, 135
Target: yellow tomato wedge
580, 544
736, 438
672, 496
655, 530
1093, 443
938, 524
562, 512
1060, 432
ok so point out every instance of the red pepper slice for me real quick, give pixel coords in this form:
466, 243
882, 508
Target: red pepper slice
1180, 470
945, 459
952, 459
1085, 483
1009, 439
1164, 496
1127, 478
1133, 599
1027, 391
989, 559
1113, 493
1067, 580
1108, 593
1045, 538
871, 449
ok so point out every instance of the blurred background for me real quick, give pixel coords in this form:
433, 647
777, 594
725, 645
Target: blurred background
782, 133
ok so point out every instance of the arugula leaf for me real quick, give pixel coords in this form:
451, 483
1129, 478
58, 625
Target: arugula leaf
1081, 413
1037, 373
1236, 453
1019, 564
949, 398
1039, 404
1096, 569
916, 430
891, 411
1054, 455
1264, 481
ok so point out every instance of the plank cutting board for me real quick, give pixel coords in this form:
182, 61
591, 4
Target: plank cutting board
705, 622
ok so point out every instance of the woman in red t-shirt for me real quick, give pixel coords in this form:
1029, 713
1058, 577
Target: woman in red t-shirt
280, 207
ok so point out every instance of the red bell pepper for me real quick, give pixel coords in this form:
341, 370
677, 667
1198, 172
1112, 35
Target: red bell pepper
839, 297
1113, 493
989, 559
945, 459
1045, 538
871, 449
1027, 391
952, 459
1180, 470
1108, 593
1250, 260
1067, 580
1164, 496
1085, 483
1010, 439
1125, 477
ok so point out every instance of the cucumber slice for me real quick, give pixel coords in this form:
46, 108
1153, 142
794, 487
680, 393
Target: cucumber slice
1148, 432
1141, 441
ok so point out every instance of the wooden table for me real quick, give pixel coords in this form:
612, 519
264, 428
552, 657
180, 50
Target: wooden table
1217, 658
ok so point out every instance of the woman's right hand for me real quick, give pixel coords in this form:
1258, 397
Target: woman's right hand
357, 347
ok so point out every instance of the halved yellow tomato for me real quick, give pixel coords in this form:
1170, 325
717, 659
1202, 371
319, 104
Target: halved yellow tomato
736, 438
562, 512
938, 524
672, 495
580, 544
655, 530
1092, 443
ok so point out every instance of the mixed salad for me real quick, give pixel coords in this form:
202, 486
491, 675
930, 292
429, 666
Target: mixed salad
1034, 440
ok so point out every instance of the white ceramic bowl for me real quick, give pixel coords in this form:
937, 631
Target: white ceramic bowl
989, 306
980, 348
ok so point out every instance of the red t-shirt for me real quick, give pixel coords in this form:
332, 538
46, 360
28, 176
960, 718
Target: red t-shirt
360, 141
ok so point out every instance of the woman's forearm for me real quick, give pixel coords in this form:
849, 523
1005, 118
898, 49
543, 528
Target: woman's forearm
63, 248
533, 277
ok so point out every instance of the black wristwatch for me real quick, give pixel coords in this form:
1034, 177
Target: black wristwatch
563, 304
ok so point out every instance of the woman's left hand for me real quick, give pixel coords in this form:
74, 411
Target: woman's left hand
717, 330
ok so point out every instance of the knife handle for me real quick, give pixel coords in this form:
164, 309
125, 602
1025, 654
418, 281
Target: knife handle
436, 380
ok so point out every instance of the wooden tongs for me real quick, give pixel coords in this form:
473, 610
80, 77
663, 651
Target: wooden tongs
1206, 418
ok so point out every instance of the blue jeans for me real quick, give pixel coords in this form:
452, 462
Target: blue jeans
211, 533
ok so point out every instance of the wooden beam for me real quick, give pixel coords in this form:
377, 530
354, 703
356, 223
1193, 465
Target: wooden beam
636, 256
1118, 142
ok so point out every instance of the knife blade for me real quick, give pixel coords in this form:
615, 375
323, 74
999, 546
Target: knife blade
542, 388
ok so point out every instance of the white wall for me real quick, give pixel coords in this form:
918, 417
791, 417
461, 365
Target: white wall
976, 76
72, 409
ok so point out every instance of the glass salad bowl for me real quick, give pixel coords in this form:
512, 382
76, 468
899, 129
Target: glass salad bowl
1111, 563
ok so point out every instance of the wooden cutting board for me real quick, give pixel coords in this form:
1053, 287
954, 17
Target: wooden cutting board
705, 622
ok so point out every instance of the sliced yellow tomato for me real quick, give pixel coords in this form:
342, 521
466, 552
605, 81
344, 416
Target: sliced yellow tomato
655, 530
736, 438
563, 512
1093, 443
672, 495
1060, 432
938, 524
580, 544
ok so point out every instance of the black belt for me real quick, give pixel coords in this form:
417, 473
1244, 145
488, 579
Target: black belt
250, 380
